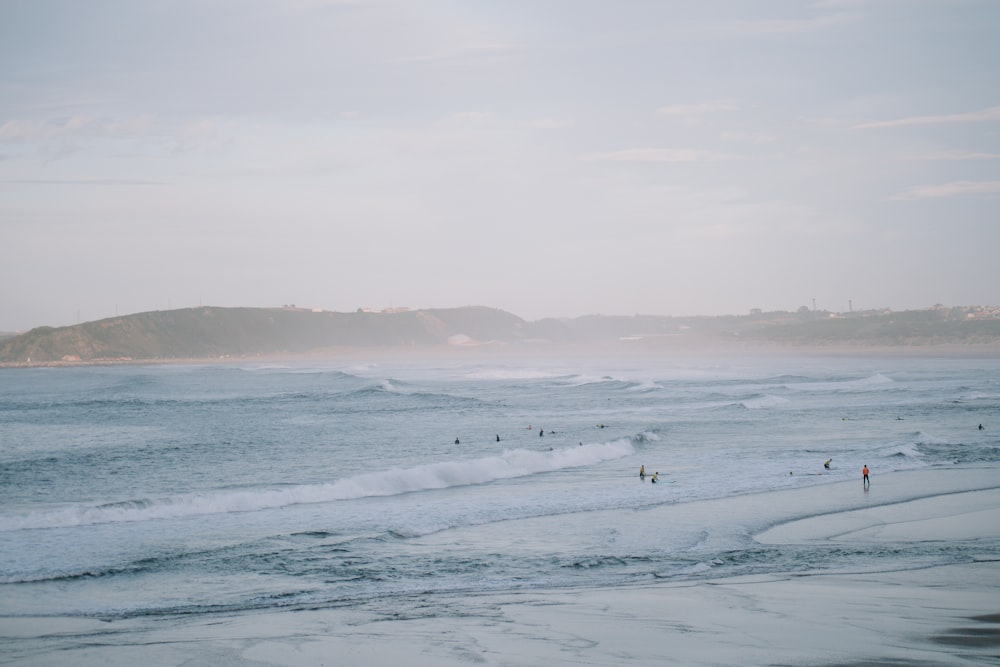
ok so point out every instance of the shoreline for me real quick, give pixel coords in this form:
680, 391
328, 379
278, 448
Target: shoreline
533, 350
905, 614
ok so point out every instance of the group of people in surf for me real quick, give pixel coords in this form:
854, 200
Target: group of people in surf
642, 475
826, 464
864, 471
541, 432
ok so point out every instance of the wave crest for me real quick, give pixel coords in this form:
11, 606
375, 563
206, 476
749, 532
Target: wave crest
510, 464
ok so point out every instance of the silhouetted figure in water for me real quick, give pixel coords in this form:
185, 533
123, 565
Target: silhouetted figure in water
541, 432
456, 441
980, 427
498, 437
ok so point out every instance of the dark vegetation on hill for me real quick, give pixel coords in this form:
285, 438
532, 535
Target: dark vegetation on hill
209, 332
197, 333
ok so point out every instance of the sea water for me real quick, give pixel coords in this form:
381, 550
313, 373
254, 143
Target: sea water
157, 491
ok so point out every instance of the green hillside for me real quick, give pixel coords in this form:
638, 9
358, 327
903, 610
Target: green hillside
209, 332
236, 332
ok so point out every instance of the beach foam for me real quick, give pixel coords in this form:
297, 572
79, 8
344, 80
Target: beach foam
944, 615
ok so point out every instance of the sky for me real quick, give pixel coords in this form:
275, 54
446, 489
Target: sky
553, 158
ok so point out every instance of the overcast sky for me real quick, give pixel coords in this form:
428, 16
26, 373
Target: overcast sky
547, 157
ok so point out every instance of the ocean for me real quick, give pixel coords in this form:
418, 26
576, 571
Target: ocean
156, 493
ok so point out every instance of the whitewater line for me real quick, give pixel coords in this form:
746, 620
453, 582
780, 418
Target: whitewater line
431, 476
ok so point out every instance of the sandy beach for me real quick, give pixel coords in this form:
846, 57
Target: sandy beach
944, 615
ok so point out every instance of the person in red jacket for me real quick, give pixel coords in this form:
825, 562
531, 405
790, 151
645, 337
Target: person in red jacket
864, 474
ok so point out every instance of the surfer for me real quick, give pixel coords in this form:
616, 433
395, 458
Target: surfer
456, 441
980, 427
498, 437
864, 474
827, 464
541, 432
655, 478
642, 472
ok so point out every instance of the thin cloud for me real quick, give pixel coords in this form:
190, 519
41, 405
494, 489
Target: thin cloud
980, 116
471, 116
458, 53
827, 4
83, 181
75, 127
954, 156
548, 124
695, 114
658, 155
748, 137
789, 26
324, 4
954, 189
824, 122
36, 130
699, 109
197, 135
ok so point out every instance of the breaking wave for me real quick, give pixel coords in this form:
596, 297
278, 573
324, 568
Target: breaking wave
510, 464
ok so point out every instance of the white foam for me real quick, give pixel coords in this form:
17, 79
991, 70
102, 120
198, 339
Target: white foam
511, 463
861, 384
765, 401
512, 374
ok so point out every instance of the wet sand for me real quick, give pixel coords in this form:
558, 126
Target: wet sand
944, 615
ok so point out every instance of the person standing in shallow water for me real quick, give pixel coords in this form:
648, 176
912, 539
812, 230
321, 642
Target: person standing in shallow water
864, 474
